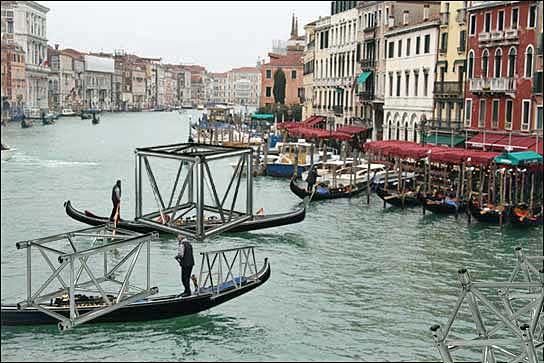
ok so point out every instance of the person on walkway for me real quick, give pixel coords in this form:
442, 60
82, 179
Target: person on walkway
116, 200
186, 261
311, 178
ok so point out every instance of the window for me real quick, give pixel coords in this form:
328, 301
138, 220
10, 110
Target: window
390, 85
498, 62
416, 83
468, 112
399, 51
531, 22
398, 85
508, 110
487, 23
472, 30
526, 115
515, 15
268, 73
462, 40
407, 76
425, 83
485, 62
408, 44
418, 41
539, 116
293, 74
427, 43
444, 43
529, 62
500, 20
495, 114
391, 49
481, 119
512, 62
268, 91
470, 72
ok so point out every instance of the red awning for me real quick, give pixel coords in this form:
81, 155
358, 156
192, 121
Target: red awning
351, 129
505, 142
458, 156
314, 120
342, 136
287, 125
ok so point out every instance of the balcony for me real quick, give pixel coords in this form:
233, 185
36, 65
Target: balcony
461, 16
338, 110
496, 36
511, 34
448, 89
444, 18
484, 37
368, 64
369, 29
495, 85
366, 95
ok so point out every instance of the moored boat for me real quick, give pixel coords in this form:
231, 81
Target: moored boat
522, 215
322, 192
407, 199
488, 213
67, 112
443, 204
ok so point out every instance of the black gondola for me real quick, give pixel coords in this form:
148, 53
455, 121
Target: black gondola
440, 206
332, 193
85, 116
482, 213
520, 215
155, 308
410, 199
96, 119
26, 123
258, 221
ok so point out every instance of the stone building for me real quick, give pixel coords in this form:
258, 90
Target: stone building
308, 71
63, 80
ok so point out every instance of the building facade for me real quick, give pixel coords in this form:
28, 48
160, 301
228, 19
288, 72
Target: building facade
308, 71
410, 75
63, 81
502, 49
244, 86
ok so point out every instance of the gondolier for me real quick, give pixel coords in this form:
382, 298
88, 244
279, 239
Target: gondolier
311, 178
116, 200
186, 261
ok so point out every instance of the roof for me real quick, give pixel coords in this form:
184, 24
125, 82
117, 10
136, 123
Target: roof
245, 70
507, 142
218, 75
351, 129
516, 158
293, 59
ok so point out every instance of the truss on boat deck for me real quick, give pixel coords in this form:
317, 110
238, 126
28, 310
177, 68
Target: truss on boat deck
516, 305
191, 196
100, 240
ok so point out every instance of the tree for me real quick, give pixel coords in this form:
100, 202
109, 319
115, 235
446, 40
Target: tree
279, 86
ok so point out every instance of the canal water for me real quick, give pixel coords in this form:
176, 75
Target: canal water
351, 282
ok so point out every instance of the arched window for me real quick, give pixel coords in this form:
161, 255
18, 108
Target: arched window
389, 131
485, 63
529, 61
512, 62
398, 130
498, 62
415, 132
406, 131
470, 73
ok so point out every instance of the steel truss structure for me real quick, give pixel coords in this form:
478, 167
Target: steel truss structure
191, 196
102, 240
519, 314
217, 268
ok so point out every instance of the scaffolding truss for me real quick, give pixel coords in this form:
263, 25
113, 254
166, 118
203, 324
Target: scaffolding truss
516, 305
193, 174
101, 240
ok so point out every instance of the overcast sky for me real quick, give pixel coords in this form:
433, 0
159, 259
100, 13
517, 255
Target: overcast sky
219, 35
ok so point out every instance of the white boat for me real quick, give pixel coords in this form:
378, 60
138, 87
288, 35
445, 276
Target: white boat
68, 112
7, 152
200, 107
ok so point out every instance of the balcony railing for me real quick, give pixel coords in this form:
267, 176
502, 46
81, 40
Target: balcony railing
498, 35
369, 29
501, 84
511, 34
484, 37
366, 95
368, 63
461, 16
448, 88
338, 110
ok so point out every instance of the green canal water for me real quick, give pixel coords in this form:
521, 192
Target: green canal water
351, 282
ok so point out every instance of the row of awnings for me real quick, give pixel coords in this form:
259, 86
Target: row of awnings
505, 142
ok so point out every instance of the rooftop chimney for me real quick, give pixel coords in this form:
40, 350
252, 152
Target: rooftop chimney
426, 12
391, 21
406, 17
56, 46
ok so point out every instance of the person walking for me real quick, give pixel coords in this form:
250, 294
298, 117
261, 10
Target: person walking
186, 261
116, 200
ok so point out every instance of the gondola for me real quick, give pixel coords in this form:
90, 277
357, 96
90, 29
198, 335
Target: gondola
331, 193
520, 215
482, 213
154, 308
439, 205
257, 222
26, 123
411, 199
95, 120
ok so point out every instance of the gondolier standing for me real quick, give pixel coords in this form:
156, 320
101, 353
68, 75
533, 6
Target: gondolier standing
311, 178
186, 261
116, 200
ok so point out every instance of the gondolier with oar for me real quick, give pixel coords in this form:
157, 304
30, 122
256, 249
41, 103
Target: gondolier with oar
116, 200
186, 261
311, 178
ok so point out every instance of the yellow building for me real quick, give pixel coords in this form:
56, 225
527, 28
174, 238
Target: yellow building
446, 126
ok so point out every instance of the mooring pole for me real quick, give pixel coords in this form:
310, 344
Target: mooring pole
368, 178
249, 199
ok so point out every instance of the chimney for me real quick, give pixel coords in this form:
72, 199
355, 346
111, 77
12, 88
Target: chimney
406, 17
426, 12
56, 46
391, 21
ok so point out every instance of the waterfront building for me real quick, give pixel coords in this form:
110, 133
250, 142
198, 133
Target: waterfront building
322, 81
219, 93
244, 86
537, 112
184, 86
410, 74
373, 23
30, 33
96, 82
288, 68
308, 71
13, 75
446, 126
63, 92
199, 84
501, 74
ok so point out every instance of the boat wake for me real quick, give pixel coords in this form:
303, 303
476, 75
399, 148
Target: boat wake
51, 163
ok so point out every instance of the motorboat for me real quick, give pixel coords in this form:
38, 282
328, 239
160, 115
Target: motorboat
7, 152
67, 112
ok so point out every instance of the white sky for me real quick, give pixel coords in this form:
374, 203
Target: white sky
219, 35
